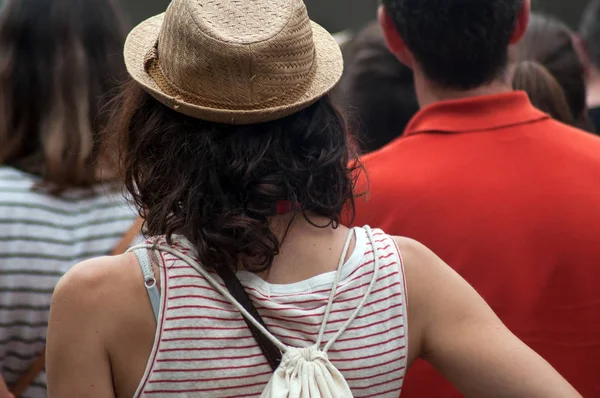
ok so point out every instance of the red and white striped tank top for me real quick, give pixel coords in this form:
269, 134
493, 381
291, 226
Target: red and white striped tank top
203, 347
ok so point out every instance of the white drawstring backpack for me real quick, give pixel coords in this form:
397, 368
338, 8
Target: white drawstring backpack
302, 372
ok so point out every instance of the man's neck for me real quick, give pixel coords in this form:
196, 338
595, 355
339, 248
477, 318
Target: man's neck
593, 88
428, 93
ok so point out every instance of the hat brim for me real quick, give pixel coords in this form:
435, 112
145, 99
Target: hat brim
328, 70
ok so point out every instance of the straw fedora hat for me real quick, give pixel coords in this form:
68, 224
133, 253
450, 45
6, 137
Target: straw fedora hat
234, 61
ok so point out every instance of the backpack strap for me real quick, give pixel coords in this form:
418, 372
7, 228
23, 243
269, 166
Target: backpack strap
362, 302
271, 351
253, 319
235, 287
218, 287
34, 370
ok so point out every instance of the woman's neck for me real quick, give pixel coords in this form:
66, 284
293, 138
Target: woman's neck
306, 250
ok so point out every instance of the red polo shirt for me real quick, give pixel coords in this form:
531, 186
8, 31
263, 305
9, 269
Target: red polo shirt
511, 200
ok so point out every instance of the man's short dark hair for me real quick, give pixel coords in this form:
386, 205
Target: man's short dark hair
590, 31
459, 44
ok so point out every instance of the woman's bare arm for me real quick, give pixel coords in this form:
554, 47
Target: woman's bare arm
101, 330
77, 363
457, 332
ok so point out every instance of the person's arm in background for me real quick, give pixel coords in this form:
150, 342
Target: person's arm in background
457, 332
4, 393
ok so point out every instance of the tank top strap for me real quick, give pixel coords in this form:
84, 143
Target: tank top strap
143, 257
364, 299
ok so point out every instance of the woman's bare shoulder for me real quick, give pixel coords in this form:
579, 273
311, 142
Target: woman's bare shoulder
416, 257
99, 286
99, 276
426, 275
423, 271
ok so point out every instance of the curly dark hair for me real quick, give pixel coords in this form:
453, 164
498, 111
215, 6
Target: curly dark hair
218, 185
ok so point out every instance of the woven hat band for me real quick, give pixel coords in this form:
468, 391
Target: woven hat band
152, 66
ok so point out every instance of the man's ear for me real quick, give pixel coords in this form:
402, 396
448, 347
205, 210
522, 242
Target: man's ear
522, 22
393, 39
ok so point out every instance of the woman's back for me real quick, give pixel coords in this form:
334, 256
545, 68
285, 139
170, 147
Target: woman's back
41, 237
205, 347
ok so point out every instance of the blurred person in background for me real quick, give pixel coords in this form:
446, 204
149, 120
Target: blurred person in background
501, 191
547, 65
589, 31
59, 64
376, 89
242, 180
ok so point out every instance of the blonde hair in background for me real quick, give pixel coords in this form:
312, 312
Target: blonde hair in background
60, 63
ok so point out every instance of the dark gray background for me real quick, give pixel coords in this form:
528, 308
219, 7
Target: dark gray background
336, 15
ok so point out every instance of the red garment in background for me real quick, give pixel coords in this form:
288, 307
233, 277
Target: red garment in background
511, 200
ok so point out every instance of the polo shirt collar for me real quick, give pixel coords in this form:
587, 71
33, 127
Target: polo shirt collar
482, 113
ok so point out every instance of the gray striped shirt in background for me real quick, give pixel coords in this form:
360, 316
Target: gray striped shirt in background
41, 237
